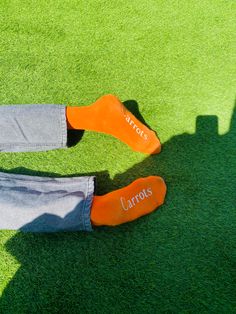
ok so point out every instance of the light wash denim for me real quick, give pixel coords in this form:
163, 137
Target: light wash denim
25, 128
40, 204
43, 204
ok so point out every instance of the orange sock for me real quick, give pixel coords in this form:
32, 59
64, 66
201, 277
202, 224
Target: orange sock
109, 115
129, 203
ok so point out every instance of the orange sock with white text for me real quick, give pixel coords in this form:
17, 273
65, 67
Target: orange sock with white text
109, 115
139, 198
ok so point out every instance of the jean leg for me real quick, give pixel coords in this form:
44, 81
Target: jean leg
44, 204
27, 128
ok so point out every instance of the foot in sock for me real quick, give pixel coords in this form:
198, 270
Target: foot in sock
109, 115
139, 198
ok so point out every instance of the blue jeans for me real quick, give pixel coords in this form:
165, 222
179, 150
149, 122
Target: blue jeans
25, 128
40, 204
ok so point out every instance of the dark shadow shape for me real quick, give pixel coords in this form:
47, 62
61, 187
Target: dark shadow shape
132, 106
74, 137
184, 253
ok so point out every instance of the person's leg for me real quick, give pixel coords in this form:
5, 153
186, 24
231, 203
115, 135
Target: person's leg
43, 204
43, 127
109, 115
27, 128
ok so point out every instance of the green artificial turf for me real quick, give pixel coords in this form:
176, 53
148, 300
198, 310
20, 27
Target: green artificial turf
173, 64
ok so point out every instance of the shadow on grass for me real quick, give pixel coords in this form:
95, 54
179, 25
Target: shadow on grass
180, 258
